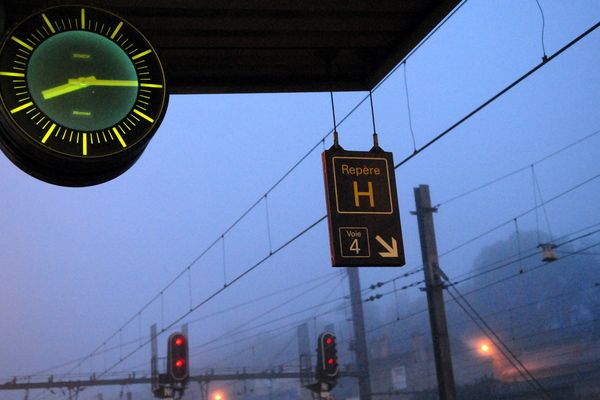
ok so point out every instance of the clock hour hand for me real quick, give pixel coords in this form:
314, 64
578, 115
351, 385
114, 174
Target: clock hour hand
62, 89
82, 83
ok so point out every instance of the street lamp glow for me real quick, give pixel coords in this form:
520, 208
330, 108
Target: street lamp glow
485, 348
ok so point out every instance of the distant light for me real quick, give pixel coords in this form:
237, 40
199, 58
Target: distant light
218, 397
485, 348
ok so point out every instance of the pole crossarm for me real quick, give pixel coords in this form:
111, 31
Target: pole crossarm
207, 377
71, 384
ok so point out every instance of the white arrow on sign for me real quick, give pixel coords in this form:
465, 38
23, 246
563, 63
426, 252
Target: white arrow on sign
392, 251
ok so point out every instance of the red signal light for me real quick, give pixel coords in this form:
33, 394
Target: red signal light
180, 363
329, 340
179, 341
330, 361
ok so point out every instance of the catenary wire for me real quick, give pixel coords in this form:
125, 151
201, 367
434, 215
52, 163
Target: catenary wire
401, 163
516, 171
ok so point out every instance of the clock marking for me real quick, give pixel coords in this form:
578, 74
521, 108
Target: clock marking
22, 107
16, 74
48, 133
83, 18
118, 135
22, 43
141, 114
85, 144
82, 113
142, 54
116, 30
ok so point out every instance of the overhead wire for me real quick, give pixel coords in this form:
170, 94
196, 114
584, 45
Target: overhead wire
263, 297
509, 355
533, 380
522, 214
410, 124
544, 57
526, 271
435, 139
529, 252
291, 169
279, 305
544, 299
506, 89
517, 170
521, 273
419, 269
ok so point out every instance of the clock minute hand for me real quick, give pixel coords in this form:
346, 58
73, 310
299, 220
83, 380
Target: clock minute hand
92, 81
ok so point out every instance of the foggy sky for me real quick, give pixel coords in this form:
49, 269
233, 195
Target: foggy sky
77, 263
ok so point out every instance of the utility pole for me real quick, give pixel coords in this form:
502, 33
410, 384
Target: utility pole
154, 358
435, 295
360, 340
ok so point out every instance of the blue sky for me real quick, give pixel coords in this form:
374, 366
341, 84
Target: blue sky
77, 263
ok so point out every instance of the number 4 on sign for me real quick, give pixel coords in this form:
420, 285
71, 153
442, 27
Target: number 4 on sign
354, 246
392, 251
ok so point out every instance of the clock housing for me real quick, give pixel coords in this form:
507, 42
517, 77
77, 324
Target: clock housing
82, 92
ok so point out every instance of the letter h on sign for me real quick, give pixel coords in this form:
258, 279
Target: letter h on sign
368, 193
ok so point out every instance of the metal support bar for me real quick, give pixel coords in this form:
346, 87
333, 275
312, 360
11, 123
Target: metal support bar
360, 340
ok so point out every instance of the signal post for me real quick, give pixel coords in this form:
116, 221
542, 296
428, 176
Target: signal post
327, 370
171, 384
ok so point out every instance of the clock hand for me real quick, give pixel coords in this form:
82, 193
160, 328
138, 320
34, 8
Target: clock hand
92, 81
62, 89
83, 82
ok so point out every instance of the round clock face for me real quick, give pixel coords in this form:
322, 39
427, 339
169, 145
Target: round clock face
81, 92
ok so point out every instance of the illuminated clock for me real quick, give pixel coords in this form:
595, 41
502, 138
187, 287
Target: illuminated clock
82, 92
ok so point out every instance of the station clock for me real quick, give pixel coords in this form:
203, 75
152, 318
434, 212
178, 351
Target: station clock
82, 92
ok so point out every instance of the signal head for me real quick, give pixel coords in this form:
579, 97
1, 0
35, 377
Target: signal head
327, 363
177, 358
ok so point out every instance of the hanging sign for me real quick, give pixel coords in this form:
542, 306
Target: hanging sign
362, 205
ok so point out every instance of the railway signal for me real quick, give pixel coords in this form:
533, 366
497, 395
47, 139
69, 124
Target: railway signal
327, 360
177, 358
